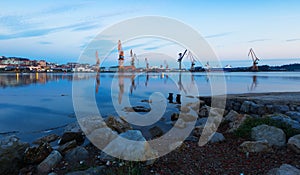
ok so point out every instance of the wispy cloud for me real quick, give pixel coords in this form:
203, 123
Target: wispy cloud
45, 42
40, 32
292, 40
258, 40
159, 46
87, 27
218, 35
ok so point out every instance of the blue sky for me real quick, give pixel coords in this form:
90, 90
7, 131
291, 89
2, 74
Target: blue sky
58, 31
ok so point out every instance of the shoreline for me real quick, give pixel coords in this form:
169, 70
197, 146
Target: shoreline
221, 156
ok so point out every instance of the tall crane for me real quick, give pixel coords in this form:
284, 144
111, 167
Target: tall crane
254, 60
147, 64
193, 60
166, 64
132, 58
180, 58
121, 56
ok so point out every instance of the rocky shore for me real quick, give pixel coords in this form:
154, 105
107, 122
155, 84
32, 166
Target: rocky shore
258, 134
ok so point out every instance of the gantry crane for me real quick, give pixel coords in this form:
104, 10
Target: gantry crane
180, 58
147, 64
121, 56
193, 60
254, 60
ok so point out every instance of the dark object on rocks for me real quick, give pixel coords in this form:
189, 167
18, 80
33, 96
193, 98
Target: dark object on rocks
178, 98
174, 116
77, 154
170, 98
50, 162
69, 136
11, 154
48, 139
156, 132
37, 154
146, 101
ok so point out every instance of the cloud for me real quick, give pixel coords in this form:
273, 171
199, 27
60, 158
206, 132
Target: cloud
159, 46
40, 32
45, 42
292, 40
218, 35
258, 40
84, 28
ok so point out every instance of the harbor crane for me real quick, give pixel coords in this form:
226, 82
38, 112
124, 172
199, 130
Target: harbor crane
147, 64
254, 59
180, 58
121, 56
193, 60
166, 64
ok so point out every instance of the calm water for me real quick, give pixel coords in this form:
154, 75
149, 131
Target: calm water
34, 104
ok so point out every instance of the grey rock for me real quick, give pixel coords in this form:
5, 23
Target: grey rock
126, 149
52, 173
102, 136
294, 115
184, 109
48, 138
91, 123
294, 143
282, 118
91, 171
77, 154
137, 109
180, 123
37, 154
245, 108
117, 124
254, 108
273, 135
11, 154
201, 121
281, 108
284, 169
255, 146
188, 117
69, 136
269, 109
67, 146
217, 137
50, 162
231, 116
238, 122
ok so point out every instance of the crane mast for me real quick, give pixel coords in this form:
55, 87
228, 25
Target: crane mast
180, 58
121, 56
254, 60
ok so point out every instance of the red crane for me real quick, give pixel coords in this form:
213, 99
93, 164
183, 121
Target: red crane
254, 60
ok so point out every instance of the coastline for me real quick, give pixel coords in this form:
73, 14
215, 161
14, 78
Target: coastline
213, 158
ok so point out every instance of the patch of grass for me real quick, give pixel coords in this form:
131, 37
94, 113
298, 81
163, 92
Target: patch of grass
129, 168
244, 130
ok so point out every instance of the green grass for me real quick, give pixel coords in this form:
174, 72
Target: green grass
244, 130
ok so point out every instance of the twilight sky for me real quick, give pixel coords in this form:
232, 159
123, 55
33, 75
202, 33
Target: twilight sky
58, 31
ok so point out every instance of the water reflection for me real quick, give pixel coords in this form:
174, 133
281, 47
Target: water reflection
25, 79
254, 83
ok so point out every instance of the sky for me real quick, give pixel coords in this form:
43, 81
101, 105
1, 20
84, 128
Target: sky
59, 31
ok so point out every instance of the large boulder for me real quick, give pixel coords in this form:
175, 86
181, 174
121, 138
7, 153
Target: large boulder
156, 131
255, 146
285, 119
294, 143
273, 135
231, 116
130, 145
102, 137
284, 169
281, 108
245, 108
77, 154
11, 154
294, 115
50, 162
